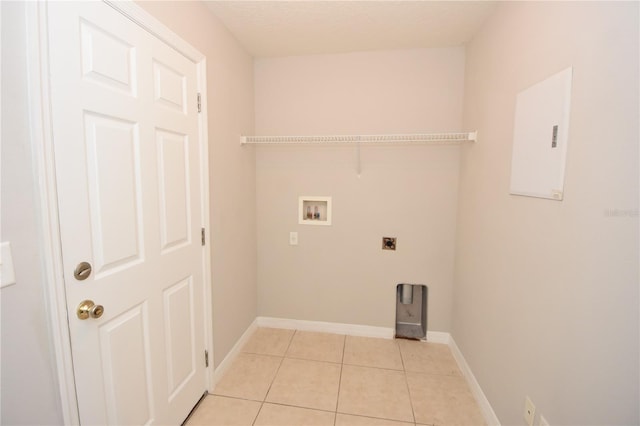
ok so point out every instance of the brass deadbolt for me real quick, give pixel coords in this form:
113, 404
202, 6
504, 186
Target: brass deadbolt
82, 271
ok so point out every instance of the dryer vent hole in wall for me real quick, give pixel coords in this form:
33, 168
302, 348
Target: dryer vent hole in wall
411, 311
388, 243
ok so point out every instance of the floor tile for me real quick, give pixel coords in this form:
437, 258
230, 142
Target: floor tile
249, 377
269, 341
222, 411
316, 346
349, 420
317, 378
308, 384
371, 352
425, 357
279, 415
374, 392
443, 400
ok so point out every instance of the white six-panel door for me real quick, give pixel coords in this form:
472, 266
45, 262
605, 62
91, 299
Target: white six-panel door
125, 130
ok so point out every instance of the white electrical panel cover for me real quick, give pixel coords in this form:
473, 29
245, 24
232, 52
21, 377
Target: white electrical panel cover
540, 136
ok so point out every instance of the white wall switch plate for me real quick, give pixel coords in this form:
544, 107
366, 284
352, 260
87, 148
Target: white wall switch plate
6, 266
529, 411
293, 238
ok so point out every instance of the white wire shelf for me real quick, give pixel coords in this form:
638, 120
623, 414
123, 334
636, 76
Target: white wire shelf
413, 138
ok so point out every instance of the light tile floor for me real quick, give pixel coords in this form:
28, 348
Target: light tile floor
291, 378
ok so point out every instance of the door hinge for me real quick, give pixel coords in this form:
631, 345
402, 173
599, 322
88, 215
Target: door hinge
202, 237
206, 358
199, 102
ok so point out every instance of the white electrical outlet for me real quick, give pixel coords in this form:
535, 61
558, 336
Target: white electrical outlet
529, 411
542, 421
293, 238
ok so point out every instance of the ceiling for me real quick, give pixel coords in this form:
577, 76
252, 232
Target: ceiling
305, 27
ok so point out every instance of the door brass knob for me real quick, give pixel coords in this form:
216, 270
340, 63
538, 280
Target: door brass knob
88, 309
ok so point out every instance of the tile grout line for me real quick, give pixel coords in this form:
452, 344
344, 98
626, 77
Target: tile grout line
264, 399
406, 382
257, 414
344, 347
282, 358
290, 342
282, 404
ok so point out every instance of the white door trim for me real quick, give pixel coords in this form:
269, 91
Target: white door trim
42, 148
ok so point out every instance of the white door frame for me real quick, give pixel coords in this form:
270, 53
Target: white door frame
42, 148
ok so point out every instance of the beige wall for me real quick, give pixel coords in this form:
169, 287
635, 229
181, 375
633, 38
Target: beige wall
28, 380
339, 273
546, 292
232, 168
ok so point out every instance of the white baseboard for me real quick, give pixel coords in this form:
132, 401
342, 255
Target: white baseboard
487, 411
341, 328
438, 337
233, 353
326, 327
